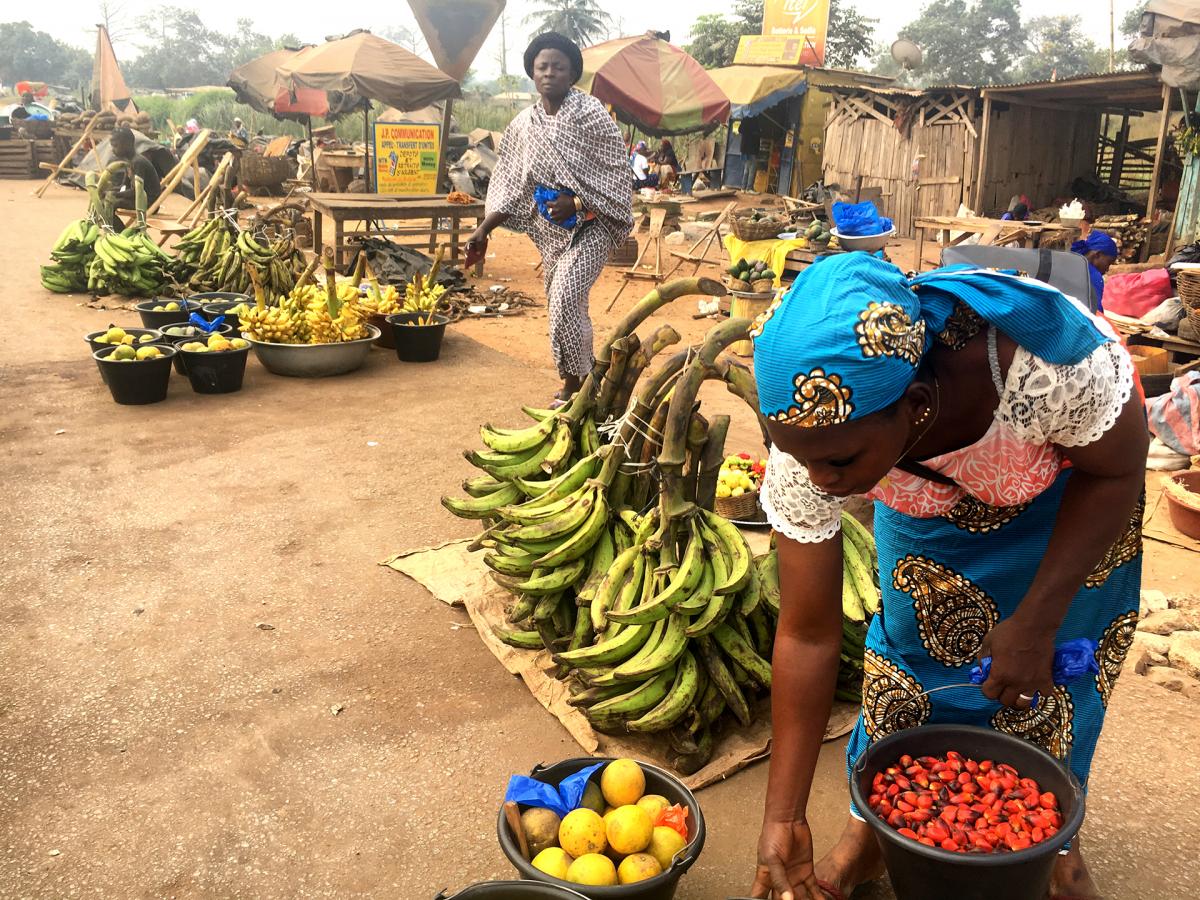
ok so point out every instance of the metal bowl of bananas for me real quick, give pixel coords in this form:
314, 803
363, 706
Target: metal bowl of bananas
314, 360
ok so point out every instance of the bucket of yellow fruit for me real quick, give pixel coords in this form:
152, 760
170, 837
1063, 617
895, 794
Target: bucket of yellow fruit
738, 482
216, 364
605, 827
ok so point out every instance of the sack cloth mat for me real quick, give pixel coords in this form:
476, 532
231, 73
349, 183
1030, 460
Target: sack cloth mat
459, 578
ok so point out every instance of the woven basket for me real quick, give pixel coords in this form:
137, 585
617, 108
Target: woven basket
740, 509
737, 284
1193, 317
762, 285
256, 170
1188, 283
746, 230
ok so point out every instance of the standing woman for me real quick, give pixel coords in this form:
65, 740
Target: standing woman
995, 424
567, 143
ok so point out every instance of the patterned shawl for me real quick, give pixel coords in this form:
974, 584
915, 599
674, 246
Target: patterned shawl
579, 149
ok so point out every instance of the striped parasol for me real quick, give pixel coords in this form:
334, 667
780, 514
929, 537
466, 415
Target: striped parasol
653, 85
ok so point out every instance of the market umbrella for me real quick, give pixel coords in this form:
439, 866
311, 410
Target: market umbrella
653, 85
369, 67
755, 89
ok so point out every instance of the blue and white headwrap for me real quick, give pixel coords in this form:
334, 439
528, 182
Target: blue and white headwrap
848, 337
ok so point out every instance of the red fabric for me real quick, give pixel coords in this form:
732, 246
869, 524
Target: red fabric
1136, 294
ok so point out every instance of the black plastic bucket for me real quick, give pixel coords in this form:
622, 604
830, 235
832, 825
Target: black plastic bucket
213, 311
152, 319
207, 298
136, 383
513, 890
179, 340
658, 781
919, 872
211, 372
417, 343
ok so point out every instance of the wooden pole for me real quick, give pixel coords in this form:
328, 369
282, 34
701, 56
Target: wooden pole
312, 152
983, 152
367, 145
1118, 160
171, 182
87, 132
443, 162
1156, 177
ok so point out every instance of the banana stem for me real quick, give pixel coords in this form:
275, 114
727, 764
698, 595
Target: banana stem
647, 306
331, 294
739, 380
309, 270
710, 462
260, 296
621, 352
673, 455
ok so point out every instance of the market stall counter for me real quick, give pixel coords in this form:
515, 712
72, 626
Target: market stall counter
445, 219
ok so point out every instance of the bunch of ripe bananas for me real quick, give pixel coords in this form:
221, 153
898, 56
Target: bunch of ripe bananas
128, 263
72, 253
307, 314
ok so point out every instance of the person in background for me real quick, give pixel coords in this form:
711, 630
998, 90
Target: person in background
1019, 213
1100, 251
123, 148
239, 131
563, 179
642, 177
748, 131
668, 164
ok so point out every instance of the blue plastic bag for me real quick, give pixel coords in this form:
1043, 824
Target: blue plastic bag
1072, 659
562, 799
203, 324
860, 219
544, 196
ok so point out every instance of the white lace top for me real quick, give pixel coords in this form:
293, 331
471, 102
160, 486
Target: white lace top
1043, 407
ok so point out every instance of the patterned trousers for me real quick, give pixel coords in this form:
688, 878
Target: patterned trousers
569, 274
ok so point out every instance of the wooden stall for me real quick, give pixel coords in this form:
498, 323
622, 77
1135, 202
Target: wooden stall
918, 147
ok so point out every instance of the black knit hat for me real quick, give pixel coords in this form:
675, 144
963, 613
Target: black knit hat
552, 40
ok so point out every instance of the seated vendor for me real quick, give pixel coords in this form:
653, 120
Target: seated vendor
1100, 251
642, 176
123, 148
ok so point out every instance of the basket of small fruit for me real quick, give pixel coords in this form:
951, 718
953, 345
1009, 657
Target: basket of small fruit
751, 277
737, 488
755, 225
618, 828
114, 335
215, 365
135, 376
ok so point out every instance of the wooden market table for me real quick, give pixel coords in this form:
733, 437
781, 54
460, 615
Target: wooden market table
376, 209
344, 165
991, 232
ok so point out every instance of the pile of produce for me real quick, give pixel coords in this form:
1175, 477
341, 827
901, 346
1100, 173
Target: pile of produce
749, 276
618, 835
819, 232
116, 335
964, 806
126, 353
128, 263
216, 256
72, 255
216, 343
739, 474
307, 314
652, 604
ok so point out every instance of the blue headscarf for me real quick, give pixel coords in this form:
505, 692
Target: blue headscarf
1096, 240
848, 337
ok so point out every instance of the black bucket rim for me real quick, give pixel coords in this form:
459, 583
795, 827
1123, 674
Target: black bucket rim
417, 343
165, 362
685, 859
99, 355
187, 305
1070, 827
91, 336
509, 883
173, 338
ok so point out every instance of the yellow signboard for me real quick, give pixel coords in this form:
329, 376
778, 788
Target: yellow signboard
806, 19
406, 158
757, 50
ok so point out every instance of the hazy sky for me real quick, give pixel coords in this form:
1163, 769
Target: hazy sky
72, 20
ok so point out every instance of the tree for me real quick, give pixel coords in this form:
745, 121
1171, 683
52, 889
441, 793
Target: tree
714, 40
968, 41
26, 54
1058, 48
1132, 23
851, 36
580, 20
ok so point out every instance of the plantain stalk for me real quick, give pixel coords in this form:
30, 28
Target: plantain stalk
331, 294
710, 462
696, 437
609, 387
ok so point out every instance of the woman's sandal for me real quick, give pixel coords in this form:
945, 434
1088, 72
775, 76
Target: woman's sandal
836, 894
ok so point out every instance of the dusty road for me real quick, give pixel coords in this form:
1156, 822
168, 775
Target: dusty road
156, 741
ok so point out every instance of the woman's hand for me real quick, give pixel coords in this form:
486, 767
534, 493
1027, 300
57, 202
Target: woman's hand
478, 238
562, 208
785, 863
1022, 655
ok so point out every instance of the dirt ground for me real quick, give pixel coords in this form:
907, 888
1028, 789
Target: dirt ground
210, 688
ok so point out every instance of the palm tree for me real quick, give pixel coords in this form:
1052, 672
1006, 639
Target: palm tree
579, 20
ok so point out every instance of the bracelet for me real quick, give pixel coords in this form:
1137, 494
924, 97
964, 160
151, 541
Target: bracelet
578, 205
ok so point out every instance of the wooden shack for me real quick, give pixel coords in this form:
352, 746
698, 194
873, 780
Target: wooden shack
918, 147
930, 151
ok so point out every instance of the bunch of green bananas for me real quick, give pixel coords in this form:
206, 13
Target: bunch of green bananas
128, 263
72, 253
190, 248
275, 265
209, 265
860, 588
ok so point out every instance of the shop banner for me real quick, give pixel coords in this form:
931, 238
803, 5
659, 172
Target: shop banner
806, 19
406, 157
757, 50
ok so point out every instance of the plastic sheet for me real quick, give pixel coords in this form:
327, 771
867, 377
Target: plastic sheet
543, 197
860, 219
561, 800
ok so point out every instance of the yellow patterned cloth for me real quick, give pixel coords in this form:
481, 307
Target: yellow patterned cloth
774, 253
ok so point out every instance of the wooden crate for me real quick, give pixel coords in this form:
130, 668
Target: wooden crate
17, 159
